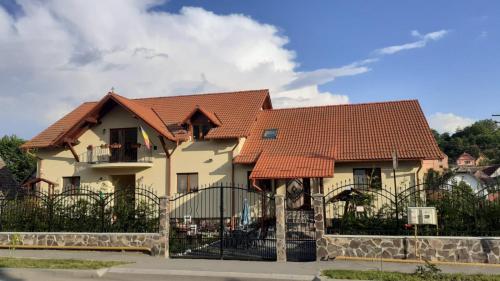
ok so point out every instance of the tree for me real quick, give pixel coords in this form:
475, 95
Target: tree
20, 163
482, 137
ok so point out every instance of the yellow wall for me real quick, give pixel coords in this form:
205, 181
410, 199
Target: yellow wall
59, 163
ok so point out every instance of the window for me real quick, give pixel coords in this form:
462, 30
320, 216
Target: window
187, 182
200, 131
70, 183
270, 134
368, 177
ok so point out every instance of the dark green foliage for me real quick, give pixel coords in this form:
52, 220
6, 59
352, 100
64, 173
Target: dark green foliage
19, 163
482, 137
81, 210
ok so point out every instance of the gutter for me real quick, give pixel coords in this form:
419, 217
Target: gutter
418, 171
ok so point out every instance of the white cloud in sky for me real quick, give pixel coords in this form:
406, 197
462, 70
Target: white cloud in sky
59, 53
420, 43
448, 122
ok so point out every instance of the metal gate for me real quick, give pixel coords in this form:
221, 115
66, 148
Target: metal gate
223, 222
300, 230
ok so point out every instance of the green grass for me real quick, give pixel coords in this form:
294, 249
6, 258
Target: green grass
397, 276
56, 263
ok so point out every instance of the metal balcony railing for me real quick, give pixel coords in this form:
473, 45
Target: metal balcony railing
118, 153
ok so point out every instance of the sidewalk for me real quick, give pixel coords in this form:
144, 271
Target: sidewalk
156, 266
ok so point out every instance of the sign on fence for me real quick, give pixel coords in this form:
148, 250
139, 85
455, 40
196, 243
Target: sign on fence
422, 215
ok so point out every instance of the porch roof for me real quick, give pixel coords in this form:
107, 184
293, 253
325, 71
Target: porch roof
286, 167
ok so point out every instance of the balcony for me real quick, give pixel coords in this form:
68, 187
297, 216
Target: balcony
119, 156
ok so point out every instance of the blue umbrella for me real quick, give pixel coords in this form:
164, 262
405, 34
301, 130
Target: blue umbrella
245, 213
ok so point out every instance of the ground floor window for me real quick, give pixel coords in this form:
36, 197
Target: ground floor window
368, 177
187, 182
70, 183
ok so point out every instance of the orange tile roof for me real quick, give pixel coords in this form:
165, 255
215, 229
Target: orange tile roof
285, 167
46, 137
352, 132
210, 115
236, 111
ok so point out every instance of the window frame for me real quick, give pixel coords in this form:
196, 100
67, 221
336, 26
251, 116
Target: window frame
369, 175
188, 182
275, 136
72, 182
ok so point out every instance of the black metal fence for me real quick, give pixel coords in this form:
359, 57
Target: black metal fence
360, 208
223, 222
80, 209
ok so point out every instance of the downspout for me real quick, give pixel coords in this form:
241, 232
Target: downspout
254, 184
233, 209
418, 172
169, 169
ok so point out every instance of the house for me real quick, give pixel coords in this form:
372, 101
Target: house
7, 180
465, 160
176, 144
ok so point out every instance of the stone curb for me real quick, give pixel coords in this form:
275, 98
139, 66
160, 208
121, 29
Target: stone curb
117, 272
58, 273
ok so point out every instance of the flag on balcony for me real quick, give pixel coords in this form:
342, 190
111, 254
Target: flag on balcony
145, 137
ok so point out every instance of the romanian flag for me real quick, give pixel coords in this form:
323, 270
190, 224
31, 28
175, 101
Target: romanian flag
145, 137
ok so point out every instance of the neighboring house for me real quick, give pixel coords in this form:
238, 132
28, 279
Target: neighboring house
7, 180
465, 159
234, 138
489, 174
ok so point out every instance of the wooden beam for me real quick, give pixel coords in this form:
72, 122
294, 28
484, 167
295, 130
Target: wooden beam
72, 149
164, 146
91, 120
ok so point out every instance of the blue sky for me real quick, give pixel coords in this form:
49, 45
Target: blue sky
457, 74
443, 53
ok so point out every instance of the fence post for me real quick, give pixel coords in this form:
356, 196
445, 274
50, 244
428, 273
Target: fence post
319, 225
165, 224
280, 228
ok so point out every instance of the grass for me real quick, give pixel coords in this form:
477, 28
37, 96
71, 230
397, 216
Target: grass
55, 263
397, 276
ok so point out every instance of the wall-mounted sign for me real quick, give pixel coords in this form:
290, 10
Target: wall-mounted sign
422, 215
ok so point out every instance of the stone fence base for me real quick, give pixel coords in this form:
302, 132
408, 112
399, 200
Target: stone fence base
150, 242
449, 249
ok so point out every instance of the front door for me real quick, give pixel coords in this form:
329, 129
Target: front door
123, 145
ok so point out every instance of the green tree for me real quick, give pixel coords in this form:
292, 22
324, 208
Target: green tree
20, 163
482, 137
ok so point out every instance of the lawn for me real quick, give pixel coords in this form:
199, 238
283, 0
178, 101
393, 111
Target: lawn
55, 263
397, 276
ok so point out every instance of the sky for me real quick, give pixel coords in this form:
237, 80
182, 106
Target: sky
56, 54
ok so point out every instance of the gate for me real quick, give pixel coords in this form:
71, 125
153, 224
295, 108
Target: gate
223, 222
300, 230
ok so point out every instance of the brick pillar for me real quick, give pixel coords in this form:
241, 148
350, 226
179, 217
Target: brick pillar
319, 225
164, 223
280, 228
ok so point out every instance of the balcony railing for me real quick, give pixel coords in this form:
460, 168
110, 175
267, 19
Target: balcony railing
117, 153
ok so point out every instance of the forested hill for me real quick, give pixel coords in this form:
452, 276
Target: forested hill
482, 137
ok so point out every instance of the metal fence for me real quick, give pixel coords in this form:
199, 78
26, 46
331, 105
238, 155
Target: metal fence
223, 222
359, 208
80, 209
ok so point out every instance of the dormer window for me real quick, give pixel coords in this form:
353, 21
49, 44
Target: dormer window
270, 134
200, 121
201, 130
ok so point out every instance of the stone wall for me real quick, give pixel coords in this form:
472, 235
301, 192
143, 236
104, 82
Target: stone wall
151, 242
449, 249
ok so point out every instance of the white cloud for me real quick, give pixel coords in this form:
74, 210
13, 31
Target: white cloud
322, 76
420, 43
448, 122
59, 53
